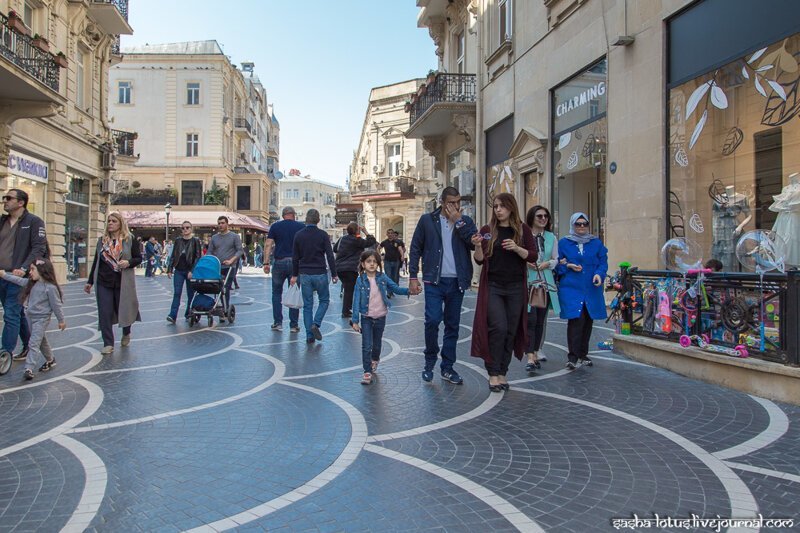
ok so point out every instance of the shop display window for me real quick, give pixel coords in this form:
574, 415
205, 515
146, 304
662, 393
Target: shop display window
734, 151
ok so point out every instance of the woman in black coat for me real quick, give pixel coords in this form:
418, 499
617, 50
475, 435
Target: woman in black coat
348, 250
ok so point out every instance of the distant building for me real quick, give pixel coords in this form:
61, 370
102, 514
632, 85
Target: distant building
304, 193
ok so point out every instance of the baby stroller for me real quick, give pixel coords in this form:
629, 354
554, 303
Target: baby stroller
209, 286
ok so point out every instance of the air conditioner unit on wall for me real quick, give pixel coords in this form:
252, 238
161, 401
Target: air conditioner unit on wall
108, 186
109, 161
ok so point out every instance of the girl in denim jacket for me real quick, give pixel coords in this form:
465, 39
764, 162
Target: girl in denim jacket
371, 302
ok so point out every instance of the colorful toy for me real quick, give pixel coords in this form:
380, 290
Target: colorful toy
606, 345
664, 313
704, 343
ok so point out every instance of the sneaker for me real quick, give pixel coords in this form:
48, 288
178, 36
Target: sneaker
47, 365
452, 376
316, 332
586, 362
375, 366
294, 329
276, 327
571, 366
542, 357
170, 320
107, 350
427, 375
21, 356
366, 379
28, 375
126, 340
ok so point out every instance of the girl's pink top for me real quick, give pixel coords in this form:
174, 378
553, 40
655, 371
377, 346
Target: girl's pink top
376, 308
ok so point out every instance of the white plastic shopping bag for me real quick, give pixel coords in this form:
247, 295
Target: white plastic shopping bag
292, 297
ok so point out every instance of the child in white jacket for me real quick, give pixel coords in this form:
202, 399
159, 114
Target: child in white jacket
41, 296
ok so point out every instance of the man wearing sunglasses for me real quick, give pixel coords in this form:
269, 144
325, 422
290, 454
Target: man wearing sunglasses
22, 240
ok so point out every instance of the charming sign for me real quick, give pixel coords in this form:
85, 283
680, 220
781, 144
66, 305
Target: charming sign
25, 166
580, 99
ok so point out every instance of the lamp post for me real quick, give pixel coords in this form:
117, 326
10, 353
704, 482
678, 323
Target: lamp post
167, 209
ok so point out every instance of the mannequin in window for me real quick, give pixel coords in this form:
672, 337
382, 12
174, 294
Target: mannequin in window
727, 209
787, 225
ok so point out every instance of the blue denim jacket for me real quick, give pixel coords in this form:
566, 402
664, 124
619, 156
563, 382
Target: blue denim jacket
427, 245
361, 293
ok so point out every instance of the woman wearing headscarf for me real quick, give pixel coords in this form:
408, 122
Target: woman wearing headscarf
114, 279
540, 222
504, 247
582, 267
348, 250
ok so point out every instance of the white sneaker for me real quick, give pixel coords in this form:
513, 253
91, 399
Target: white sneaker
542, 357
107, 350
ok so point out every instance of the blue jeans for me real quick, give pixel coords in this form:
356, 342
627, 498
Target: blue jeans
226, 293
392, 269
282, 271
442, 302
309, 283
178, 280
12, 311
371, 338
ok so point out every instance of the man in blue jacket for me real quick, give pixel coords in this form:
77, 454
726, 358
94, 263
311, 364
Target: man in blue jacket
442, 240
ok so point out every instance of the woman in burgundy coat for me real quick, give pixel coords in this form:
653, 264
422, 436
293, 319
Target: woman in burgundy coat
504, 248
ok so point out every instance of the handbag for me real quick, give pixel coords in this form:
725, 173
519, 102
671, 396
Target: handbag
537, 297
292, 297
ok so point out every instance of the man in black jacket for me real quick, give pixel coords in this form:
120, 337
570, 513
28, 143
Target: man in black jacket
22, 239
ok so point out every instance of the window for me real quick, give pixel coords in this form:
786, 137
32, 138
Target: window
124, 92
504, 18
193, 93
242, 197
192, 192
80, 80
460, 52
393, 159
291, 194
192, 144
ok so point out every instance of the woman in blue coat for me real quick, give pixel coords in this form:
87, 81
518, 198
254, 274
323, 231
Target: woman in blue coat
582, 268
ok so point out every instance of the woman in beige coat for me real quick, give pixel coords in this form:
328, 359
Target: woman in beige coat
116, 255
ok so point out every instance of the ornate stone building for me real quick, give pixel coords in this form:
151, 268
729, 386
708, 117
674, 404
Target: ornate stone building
304, 193
56, 141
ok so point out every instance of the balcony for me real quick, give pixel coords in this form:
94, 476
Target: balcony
111, 15
146, 197
398, 188
124, 143
242, 127
432, 112
26, 72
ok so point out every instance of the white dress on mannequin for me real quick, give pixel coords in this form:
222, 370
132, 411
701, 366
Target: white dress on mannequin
787, 225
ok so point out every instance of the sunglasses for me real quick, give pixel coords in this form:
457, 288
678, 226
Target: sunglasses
7, 198
542, 216
581, 224
186, 227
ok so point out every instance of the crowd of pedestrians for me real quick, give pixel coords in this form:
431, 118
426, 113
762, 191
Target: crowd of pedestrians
526, 273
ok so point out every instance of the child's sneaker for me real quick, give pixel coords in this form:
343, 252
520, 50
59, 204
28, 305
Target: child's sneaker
366, 379
47, 365
375, 366
28, 375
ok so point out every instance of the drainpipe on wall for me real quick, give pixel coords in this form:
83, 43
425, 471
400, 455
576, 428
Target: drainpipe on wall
480, 141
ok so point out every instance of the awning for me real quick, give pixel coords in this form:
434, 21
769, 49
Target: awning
158, 219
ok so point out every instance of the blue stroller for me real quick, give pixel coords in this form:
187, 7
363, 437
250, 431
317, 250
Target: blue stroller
209, 286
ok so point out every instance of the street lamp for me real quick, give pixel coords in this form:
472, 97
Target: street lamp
167, 209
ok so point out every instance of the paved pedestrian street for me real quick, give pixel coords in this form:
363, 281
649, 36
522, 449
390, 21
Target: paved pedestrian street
240, 427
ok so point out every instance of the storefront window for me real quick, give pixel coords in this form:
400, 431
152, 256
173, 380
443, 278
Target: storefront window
76, 224
734, 145
29, 174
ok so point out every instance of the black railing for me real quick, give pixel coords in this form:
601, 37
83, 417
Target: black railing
18, 49
383, 186
124, 142
242, 123
729, 308
144, 197
458, 88
121, 5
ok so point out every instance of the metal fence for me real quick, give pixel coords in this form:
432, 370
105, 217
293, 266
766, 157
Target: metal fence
18, 49
459, 88
730, 308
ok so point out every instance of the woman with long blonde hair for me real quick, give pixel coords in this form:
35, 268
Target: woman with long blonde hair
503, 247
116, 255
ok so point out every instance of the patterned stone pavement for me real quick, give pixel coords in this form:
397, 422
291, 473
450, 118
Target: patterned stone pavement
239, 427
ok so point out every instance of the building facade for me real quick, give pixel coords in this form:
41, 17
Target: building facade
628, 111
204, 129
391, 176
304, 193
56, 141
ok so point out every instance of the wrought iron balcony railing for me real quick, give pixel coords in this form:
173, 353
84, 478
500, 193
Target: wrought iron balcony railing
124, 142
455, 88
146, 197
382, 186
242, 123
121, 5
18, 49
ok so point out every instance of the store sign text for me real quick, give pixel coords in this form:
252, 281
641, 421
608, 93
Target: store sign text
27, 167
592, 93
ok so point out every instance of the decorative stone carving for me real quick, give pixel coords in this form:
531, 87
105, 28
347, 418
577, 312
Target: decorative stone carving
434, 147
437, 32
465, 125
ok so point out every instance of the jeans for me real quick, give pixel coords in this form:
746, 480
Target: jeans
149, 267
107, 306
392, 269
226, 294
24, 329
348, 279
442, 302
282, 271
371, 338
537, 322
178, 280
309, 283
506, 302
12, 312
579, 331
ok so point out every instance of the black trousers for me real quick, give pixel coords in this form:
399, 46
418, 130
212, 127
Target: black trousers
107, 306
348, 280
579, 331
537, 326
505, 309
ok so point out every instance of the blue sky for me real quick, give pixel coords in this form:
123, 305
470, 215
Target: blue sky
318, 60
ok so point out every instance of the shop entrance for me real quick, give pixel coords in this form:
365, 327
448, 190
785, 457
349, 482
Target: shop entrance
579, 192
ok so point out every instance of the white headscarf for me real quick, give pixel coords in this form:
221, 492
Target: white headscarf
580, 239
